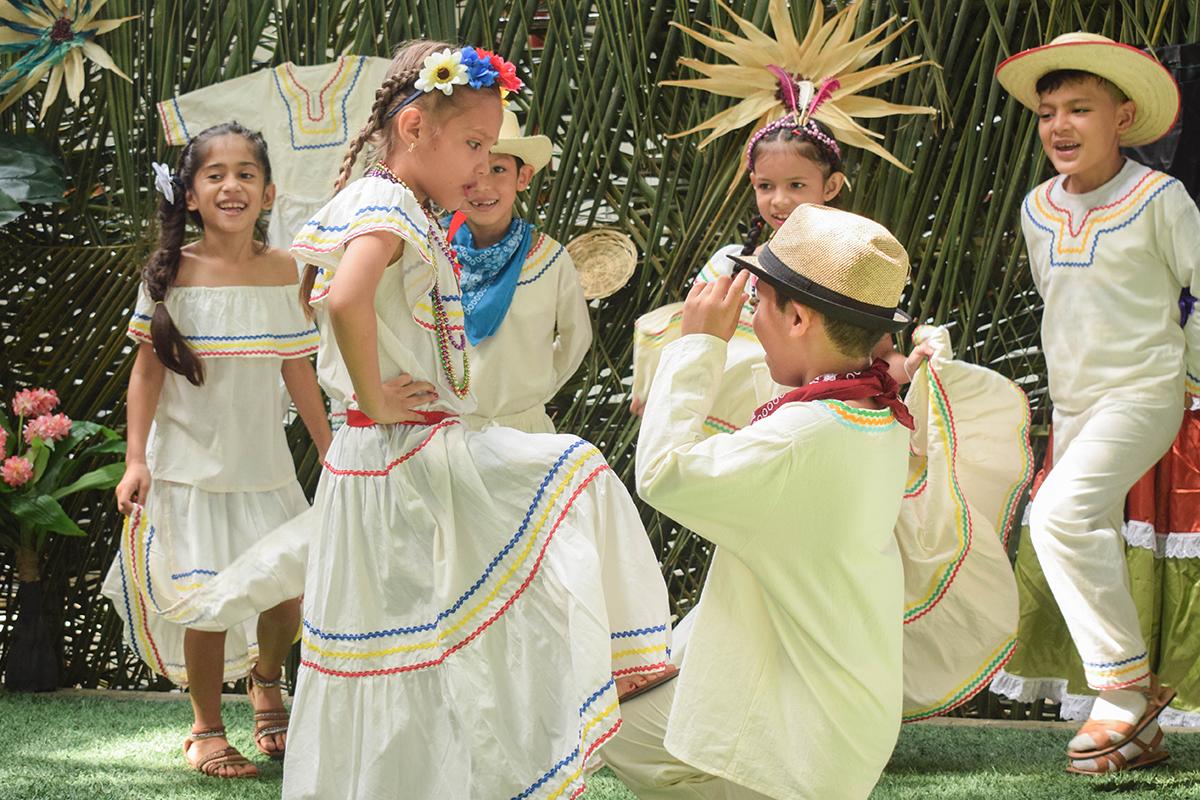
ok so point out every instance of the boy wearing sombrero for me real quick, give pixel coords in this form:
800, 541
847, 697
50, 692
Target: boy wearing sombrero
523, 305
790, 667
1111, 245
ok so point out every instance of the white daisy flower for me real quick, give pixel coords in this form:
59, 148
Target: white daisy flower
442, 71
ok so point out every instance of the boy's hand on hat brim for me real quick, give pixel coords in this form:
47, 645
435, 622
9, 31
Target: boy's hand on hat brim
714, 308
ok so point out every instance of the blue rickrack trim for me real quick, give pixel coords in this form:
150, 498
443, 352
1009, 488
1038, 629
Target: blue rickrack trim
248, 337
190, 573
638, 632
345, 99
428, 626
149, 579
570, 757
131, 621
1091, 257
422, 227
542, 271
1110, 664
179, 115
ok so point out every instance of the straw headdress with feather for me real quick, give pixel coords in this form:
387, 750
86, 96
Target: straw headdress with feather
818, 77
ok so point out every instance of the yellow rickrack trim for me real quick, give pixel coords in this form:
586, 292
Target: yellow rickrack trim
1114, 673
574, 776
330, 103
866, 417
640, 651
1085, 236
391, 222
585, 456
539, 255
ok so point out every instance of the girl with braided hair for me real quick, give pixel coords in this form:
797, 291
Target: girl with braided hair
209, 470
474, 602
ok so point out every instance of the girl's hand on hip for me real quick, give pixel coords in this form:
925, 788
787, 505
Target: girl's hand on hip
401, 397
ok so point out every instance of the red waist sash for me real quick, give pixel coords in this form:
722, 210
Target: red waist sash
357, 419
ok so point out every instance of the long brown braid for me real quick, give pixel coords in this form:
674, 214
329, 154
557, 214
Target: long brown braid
402, 74
161, 271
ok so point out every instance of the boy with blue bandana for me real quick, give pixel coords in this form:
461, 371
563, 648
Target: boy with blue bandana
524, 309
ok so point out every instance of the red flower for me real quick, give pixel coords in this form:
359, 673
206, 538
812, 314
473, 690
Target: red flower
48, 428
16, 471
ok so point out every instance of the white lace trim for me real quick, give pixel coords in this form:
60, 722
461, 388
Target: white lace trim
1184, 544
1072, 707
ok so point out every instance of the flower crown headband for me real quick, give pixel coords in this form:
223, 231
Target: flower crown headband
789, 81
478, 69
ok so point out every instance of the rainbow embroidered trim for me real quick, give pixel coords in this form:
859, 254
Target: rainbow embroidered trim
264, 345
860, 419
1008, 516
968, 688
542, 256
943, 423
1191, 384
1111, 675
328, 127
1075, 246
718, 425
670, 332
428, 644
600, 710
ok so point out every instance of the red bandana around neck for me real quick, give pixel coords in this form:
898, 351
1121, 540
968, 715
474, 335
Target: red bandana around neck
873, 383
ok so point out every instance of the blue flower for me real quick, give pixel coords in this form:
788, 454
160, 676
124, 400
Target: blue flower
480, 72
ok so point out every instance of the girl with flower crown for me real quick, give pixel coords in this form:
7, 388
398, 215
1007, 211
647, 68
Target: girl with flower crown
960, 611
209, 470
474, 602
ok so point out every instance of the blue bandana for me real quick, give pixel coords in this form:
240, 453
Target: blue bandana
489, 277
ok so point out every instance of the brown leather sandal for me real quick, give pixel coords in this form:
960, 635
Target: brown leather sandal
1158, 697
656, 679
211, 764
271, 721
1151, 753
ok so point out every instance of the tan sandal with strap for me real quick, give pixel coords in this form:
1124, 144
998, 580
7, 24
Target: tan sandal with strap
1115, 734
270, 722
1151, 753
212, 763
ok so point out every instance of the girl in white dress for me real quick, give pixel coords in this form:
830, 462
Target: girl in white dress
473, 601
216, 323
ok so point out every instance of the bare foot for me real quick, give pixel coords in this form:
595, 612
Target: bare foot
269, 699
200, 748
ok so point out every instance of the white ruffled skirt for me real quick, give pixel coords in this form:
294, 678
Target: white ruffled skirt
171, 548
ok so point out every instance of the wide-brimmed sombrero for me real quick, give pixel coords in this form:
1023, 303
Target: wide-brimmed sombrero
843, 265
533, 150
1135, 72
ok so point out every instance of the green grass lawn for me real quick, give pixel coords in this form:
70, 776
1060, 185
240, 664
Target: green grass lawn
97, 748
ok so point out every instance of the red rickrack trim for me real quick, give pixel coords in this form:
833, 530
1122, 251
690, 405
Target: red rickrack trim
380, 473
979, 686
141, 602
320, 94
970, 533
1083, 222
608, 734
661, 665
487, 624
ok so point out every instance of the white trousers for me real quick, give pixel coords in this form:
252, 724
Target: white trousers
636, 753
1075, 526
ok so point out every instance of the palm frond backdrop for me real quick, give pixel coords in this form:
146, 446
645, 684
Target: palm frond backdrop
594, 68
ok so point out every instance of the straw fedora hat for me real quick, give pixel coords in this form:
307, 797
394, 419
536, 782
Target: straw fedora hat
841, 264
1135, 72
533, 150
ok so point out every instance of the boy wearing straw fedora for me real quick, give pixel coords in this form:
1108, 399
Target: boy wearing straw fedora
790, 679
522, 301
1111, 245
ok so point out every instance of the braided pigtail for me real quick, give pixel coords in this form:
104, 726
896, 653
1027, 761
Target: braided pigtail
405, 69
160, 273
754, 236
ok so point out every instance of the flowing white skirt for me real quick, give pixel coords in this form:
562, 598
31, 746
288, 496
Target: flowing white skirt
171, 548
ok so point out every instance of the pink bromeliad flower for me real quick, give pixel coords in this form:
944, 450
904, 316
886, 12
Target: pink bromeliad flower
16, 471
48, 428
3, 441
34, 402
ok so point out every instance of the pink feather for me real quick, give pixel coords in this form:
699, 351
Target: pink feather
828, 87
786, 85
